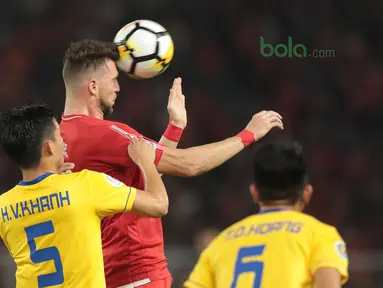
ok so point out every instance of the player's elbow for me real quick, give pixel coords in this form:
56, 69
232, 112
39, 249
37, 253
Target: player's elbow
192, 166
181, 162
160, 209
190, 170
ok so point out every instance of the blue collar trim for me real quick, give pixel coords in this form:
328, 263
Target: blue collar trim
35, 181
271, 210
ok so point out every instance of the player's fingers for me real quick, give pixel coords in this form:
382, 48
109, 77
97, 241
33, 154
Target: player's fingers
260, 113
172, 97
183, 100
174, 83
277, 124
177, 89
276, 119
180, 85
273, 114
67, 166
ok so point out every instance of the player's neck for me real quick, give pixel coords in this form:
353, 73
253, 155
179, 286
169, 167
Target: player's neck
74, 106
31, 174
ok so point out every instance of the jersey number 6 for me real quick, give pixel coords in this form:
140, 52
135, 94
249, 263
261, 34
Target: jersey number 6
46, 254
242, 266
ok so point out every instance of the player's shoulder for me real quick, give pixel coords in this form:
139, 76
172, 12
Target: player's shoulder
223, 236
83, 174
89, 122
80, 176
316, 226
122, 129
82, 124
7, 195
96, 177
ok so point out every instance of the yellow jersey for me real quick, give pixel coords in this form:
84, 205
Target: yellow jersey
273, 249
51, 227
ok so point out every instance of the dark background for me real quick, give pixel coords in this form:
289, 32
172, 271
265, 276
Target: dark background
332, 105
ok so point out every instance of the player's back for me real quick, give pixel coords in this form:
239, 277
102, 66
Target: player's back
53, 232
276, 248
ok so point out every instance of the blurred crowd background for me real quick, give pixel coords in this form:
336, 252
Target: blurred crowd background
332, 105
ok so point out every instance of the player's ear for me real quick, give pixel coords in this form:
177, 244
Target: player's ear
254, 193
307, 193
49, 147
93, 87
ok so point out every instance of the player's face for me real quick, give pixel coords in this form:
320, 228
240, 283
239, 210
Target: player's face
109, 88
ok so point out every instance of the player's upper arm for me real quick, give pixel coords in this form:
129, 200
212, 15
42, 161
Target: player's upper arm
108, 195
202, 275
117, 140
147, 205
327, 277
329, 251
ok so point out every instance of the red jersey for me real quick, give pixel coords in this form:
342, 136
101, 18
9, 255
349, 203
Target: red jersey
133, 245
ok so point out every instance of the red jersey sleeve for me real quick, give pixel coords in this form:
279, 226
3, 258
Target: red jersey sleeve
118, 138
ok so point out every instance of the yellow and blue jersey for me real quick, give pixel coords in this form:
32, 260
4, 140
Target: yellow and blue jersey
275, 248
51, 227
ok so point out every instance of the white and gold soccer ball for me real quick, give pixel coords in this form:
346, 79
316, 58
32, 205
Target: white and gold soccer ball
146, 49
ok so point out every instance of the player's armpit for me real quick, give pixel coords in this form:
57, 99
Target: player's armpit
327, 277
194, 161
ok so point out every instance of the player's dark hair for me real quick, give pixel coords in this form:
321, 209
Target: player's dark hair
23, 131
280, 172
85, 54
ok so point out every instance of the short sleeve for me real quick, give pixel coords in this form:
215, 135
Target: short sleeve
110, 196
202, 275
330, 251
117, 140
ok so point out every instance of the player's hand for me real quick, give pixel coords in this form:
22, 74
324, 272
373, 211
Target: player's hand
66, 168
176, 105
141, 152
263, 122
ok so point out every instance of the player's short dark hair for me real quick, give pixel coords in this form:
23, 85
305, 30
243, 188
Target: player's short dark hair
280, 171
23, 131
86, 54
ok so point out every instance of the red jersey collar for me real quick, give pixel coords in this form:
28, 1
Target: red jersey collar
68, 117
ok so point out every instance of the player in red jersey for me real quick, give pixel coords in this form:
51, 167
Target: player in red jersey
133, 246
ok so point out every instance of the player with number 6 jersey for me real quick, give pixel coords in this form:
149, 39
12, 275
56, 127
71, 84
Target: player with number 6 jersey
51, 223
280, 246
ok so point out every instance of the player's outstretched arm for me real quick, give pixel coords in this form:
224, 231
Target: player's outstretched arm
198, 160
177, 116
152, 202
327, 277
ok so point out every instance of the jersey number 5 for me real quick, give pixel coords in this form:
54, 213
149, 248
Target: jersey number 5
243, 266
46, 254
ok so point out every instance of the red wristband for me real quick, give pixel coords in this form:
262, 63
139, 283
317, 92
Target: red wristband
247, 137
173, 133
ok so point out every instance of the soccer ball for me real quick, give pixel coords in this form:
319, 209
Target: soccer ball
145, 48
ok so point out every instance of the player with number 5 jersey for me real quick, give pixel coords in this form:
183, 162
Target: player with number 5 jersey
51, 223
280, 246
